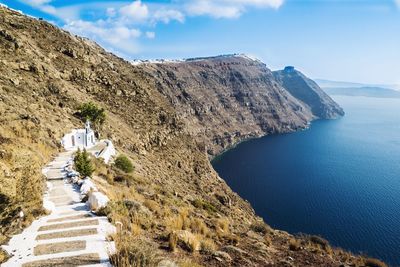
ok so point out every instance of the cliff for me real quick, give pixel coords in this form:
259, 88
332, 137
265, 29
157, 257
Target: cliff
165, 117
225, 99
309, 93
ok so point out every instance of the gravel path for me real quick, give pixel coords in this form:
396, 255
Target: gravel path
70, 236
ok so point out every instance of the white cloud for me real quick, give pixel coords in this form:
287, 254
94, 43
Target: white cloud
117, 24
167, 15
136, 11
36, 2
111, 12
121, 38
227, 8
397, 2
150, 35
213, 9
258, 3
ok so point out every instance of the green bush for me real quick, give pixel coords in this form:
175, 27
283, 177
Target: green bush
123, 163
202, 204
93, 113
83, 164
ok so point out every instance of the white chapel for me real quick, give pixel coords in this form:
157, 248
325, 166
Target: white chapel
79, 138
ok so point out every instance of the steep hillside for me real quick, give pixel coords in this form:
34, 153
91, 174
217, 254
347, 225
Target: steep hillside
174, 206
307, 91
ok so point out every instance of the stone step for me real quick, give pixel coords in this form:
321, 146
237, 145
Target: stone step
57, 191
64, 213
59, 197
70, 218
68, 225
66, 234
53, 248
84, 259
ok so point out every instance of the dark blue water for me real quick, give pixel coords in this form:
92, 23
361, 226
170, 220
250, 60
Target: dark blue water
340, 179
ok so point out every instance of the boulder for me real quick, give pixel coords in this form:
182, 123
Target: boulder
97, 200
222, 255
87, 186
48, 205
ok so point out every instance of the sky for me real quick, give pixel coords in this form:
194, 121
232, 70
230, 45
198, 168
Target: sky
342, 40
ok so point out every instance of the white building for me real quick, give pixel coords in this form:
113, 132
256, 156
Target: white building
79, 138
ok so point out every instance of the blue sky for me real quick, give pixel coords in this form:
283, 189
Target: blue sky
355, 40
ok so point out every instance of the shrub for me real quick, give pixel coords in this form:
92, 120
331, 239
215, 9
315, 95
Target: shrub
124, 164
93, 113
207, 246
319, 241
83, 163
370, 262
202, 204
260, 227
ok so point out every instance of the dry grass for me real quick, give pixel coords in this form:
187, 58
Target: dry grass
152, 205
199, 227
370, 262
208, 246
134, 252
181, 221
3, 256
188, 263
221, 226
294, 244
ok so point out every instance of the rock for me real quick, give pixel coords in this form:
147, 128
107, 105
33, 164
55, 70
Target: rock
224, 200
222, 255
97, 200
234, 250
69, 52
48, 205
87, 186
167, 263
136, 206
15, 81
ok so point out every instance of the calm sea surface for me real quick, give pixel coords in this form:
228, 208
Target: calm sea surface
340, 179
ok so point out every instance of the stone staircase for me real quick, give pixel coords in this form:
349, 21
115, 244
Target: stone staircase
70, 236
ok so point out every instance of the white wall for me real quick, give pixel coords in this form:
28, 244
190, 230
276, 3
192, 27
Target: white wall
79, 138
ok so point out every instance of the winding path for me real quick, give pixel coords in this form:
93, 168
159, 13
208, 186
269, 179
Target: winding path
70, 236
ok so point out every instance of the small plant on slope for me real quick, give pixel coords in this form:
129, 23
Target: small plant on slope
123, 163
83, 164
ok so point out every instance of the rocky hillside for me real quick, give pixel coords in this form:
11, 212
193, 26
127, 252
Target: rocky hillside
165, 117
309, 93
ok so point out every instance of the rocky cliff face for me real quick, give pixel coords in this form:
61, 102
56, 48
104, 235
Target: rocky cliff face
309, 93
165, 117
225, 99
